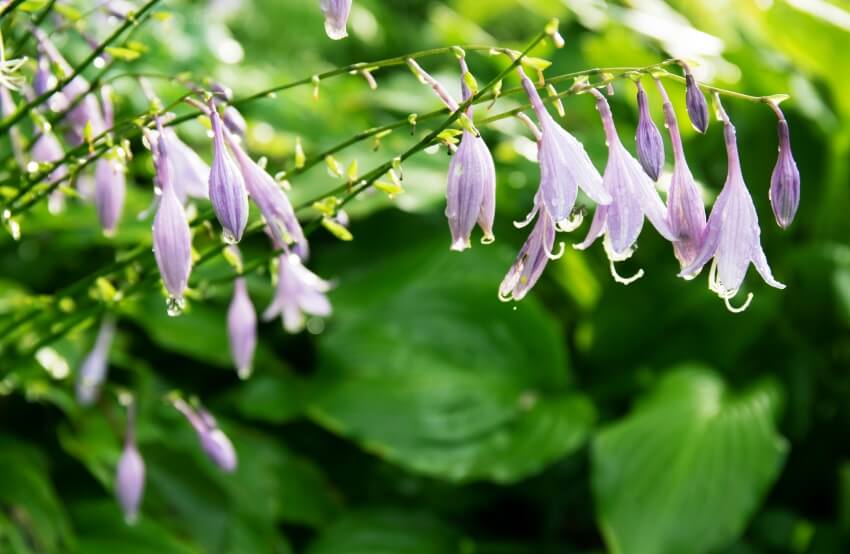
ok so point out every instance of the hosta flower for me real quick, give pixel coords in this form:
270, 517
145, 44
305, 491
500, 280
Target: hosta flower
336, 17
191, 173
299, 291
130, 475
109, 191
564, 164
471, 189
227, 187
650, 145
685, 208
785, 181
172, 238
242, 328
634, 197
695, 102
47, 149
532, 257
232, 118
93, 370
272, 201
214, 442
732, 236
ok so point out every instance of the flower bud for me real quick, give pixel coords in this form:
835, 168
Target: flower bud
109, 191
130, 475
695, 101
650, 145
336, 17
242, 328
214, 442
227, 187
785, 181
93, 370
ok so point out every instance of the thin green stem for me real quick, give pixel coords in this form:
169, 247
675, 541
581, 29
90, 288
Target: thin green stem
9, 8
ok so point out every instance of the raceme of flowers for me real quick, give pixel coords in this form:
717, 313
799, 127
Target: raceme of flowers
625, 196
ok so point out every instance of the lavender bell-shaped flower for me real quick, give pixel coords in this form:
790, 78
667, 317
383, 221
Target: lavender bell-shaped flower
227, 187
695, 102
172, 238
471, 189
732, 236
634, 196
336, 17
272, 201
93, 370
109, 190
233, 119
650, 145
785, 181
48, 150
685, 208
130, 474
299, 291
564, 164
532, 257
242, 328
191, 173
215, 444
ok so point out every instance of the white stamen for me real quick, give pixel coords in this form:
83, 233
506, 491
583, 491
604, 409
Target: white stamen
624, 280
561, 250
735, 310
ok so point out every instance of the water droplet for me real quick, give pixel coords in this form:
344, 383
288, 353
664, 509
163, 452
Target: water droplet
245, 372
229, 237
175, 306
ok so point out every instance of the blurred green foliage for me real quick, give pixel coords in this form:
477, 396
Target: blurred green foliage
425, 416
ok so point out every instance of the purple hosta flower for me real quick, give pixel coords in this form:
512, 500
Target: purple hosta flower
695, 102
785, 181
685, 208
130, 475
471, 189
299, 291
732, 236
172, 238
564, 164
109, 191
214, 442
191, 173
272, 201
532, 257
242, 328
336, 17
93, 370
227, 187
232, 118
650, 145
634, 196
48, 150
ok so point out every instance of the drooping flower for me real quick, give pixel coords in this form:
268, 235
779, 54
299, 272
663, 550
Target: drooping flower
785, 181
732, 236
471, 188
172, 237
272, 201
336, 17
109, 191
130, 474
695, 102
685, 207
299, 291
634, 197
242, 328
650, 145
564, 164
232, 117
191, 173
532, 257
47, 149
93, 369
227, 187
215, 444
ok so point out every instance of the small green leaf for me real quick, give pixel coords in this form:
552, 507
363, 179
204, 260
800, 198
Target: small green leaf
122, 53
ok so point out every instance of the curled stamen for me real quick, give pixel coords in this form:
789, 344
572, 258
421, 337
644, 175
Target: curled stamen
624, 280
740, 309
553, 256
528, 219
571, 224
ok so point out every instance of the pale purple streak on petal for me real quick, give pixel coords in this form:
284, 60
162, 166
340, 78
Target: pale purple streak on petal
109, 191
242, 328
336, 17
227, 187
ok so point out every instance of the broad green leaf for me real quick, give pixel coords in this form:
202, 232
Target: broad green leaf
424, 366
387, 532
685, 471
